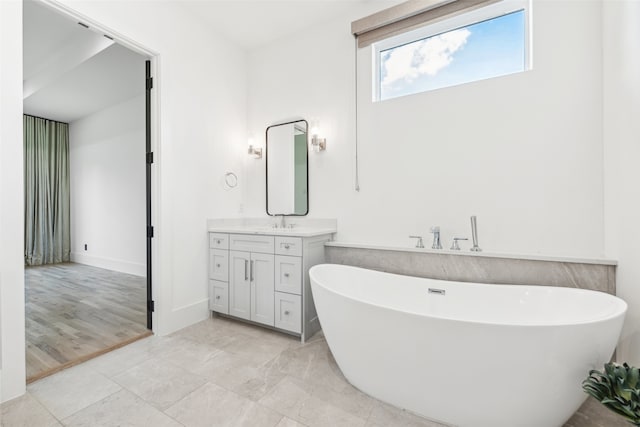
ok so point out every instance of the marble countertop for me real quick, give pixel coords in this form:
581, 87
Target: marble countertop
270, 231
534, 257
295, 226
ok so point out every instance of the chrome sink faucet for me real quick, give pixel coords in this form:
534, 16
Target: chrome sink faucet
436, 238
282, 222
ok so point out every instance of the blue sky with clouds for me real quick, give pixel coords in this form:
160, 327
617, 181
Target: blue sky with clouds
487, 49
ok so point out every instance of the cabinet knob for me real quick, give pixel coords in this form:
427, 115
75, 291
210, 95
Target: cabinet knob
217, 296
286, 312
218, 241
286, 246
286, 274
218, 265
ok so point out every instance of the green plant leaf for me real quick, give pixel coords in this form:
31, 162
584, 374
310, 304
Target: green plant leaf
617, 389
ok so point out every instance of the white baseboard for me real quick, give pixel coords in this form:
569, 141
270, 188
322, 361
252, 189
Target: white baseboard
182, 317
110, 264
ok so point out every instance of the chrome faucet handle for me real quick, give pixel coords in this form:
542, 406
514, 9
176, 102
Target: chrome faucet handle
436, 238
455, 246
419, 243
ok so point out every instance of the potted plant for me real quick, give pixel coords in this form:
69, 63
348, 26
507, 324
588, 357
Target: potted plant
617, 388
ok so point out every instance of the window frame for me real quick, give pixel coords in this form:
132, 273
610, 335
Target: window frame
464, 19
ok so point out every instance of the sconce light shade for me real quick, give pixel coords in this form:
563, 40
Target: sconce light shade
317, 144
256, 152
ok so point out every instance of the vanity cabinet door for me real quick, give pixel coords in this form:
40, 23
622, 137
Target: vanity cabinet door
262, 288
239, 284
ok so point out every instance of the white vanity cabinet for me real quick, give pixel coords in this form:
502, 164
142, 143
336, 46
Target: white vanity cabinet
251, 286
264, 278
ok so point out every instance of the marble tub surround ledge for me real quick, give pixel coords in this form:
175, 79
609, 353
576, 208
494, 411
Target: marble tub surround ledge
295, 226
598, 275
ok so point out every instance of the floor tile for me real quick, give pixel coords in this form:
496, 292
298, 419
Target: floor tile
71, 390
593, 414
25, 411
288, 422
189, 354
115, 409
313, 363
118, 361
211, 405
245, 377
215, 332
384, 415
159, 382
295, 399
260, 349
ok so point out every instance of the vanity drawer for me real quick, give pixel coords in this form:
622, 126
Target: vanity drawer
288, 246
219, 296
288, 312
251, 243
219, 264
288, 274
218, 241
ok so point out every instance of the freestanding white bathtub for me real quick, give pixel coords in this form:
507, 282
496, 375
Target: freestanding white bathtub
477, 355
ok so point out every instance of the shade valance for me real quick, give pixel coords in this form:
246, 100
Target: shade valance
408, 16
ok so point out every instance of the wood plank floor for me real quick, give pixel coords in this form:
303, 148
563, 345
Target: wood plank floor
75, 312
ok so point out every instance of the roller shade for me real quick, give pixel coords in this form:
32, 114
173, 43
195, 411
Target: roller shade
408, 16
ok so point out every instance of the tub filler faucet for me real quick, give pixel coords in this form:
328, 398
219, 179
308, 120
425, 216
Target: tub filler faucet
474, 235
436, 238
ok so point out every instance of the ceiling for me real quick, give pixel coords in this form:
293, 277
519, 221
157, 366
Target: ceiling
71, 72
254, 23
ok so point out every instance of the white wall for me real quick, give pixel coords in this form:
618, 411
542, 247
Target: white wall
522, 152
108, 192
621, 30
201, 91
201, 85
12, 343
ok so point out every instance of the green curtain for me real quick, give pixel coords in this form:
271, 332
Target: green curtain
47, 237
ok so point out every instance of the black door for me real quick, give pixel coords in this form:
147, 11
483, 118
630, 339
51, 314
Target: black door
149, 163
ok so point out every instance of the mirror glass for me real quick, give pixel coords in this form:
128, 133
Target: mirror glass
287, 169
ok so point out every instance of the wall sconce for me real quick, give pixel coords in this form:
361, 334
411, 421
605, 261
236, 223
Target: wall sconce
256, 152
317, 144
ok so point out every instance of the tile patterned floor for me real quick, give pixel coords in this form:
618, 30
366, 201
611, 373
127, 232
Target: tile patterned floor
218, 373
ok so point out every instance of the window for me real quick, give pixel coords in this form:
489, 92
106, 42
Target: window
481, 44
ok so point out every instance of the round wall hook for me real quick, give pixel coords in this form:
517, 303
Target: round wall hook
230, 179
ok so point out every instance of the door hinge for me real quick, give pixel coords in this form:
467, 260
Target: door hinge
151, 306
150, 231
150, 158
149, 83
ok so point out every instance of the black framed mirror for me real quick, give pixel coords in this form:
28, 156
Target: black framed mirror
287, 170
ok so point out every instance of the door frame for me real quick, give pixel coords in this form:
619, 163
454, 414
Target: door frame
152, 143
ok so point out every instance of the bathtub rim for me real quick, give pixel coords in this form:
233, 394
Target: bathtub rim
621, 305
